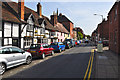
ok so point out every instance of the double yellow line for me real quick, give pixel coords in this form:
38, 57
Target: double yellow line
89, 68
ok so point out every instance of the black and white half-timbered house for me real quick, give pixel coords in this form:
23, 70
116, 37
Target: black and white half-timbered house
22, 26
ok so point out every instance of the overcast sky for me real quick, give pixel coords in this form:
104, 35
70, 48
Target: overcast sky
80, 12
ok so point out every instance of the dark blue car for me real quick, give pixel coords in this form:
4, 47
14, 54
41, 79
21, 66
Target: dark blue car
58, 46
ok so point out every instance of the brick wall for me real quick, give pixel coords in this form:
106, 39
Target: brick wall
113, 18
69, 27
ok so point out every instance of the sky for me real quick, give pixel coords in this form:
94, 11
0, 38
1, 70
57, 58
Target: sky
80, 12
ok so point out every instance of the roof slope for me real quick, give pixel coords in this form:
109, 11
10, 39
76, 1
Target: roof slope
62, 28
63, 18
10, 13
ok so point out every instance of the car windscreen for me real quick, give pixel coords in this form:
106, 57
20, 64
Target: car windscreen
67, 39
54, 44
34, 46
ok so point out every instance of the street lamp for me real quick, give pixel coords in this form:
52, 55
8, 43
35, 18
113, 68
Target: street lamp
102, 25
99, 15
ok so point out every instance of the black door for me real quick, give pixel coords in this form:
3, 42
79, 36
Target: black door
15, 42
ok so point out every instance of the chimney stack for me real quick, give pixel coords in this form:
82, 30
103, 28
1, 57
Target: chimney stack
39, 9
21, 9
54, 18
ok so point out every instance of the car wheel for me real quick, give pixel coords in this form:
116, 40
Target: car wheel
43, 56
52, 53
28, 60
2, 69
68, 47
60, 51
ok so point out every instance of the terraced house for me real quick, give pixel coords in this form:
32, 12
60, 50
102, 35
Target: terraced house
22, 26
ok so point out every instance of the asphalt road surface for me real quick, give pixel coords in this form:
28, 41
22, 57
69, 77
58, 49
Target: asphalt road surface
72, 63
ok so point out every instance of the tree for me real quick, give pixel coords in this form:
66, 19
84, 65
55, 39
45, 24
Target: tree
88, 36
80, 35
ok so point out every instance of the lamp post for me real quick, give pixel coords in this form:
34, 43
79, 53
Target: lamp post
102, 26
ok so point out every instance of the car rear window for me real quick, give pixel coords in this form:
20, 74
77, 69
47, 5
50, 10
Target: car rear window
54, 43
34, 46
67, 39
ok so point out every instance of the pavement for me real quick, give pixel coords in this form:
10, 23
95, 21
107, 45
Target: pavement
106, 65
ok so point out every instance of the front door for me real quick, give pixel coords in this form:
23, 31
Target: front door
15, 42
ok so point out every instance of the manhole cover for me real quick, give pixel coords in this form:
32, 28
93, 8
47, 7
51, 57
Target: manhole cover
103, 57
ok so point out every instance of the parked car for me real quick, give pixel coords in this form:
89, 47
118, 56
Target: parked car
86, 41
40, 50
58, 46
72, 41
67, 44
77, 42
11, 56
105, 42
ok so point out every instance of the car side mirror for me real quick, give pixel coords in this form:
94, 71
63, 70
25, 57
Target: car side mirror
23, 52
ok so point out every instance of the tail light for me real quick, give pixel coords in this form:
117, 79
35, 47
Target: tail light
28, 50
39, 51
58, 46
41, 48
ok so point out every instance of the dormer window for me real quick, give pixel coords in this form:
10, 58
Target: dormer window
29, 27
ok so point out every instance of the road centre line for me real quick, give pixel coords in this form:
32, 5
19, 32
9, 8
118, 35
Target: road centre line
89, 65
87, 68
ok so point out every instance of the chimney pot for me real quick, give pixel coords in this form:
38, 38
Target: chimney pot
39, 9
21, 9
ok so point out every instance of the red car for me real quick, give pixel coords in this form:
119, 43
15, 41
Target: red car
40, 50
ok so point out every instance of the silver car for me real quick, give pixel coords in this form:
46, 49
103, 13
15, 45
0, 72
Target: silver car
11, 56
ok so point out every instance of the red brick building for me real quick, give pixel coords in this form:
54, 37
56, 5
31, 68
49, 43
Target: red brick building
114, 28
94, 36
103, 30
67, 23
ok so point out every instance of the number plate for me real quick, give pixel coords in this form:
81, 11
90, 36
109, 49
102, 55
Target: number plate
32, 51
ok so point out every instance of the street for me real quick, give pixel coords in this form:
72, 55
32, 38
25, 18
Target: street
72, 63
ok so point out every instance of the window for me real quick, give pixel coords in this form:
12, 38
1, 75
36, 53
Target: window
15, 50
28, 42
115, 37
41, 31
54, 43
4, 51
45, 46
60, 43
110, 19
29, 27
68, 35
34, 46
115, 14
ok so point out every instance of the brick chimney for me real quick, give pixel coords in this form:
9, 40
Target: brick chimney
21, 9
39, 9
54, 18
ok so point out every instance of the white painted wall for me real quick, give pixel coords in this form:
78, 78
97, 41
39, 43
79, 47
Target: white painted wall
7, 29
47, 33
22, 42
0, 33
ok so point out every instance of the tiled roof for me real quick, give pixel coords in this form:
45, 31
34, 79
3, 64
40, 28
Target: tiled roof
62, 28
63, 18
10, 13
